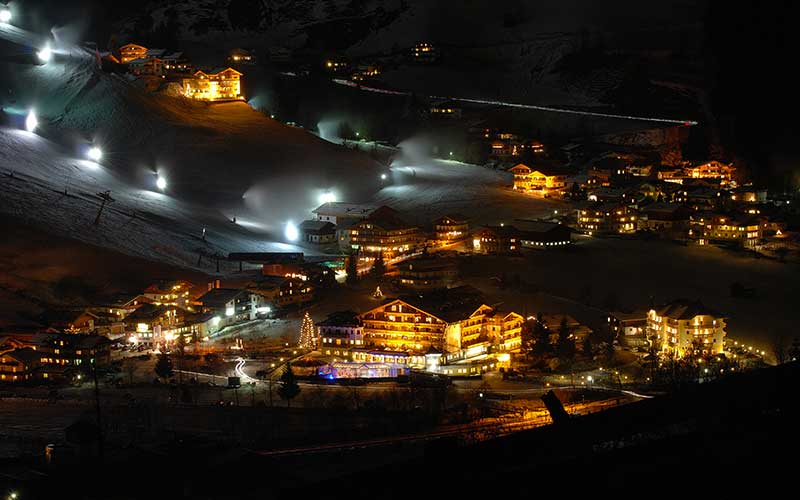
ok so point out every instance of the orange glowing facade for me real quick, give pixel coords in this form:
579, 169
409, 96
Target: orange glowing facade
219, 85
131, 52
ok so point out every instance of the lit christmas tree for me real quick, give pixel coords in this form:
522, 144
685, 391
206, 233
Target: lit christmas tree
308, 335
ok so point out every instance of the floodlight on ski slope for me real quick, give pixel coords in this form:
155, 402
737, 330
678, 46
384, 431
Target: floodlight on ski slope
94, 154
31, 122
161, 183
45, 54
5, 15
291, 232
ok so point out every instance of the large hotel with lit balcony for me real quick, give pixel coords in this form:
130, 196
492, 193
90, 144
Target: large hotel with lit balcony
686, 328
446, 326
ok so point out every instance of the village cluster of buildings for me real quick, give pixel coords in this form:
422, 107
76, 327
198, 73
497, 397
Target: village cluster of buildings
700, 203
162, 314
158, 66
371, 231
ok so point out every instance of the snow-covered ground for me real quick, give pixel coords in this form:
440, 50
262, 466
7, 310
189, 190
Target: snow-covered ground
220, 161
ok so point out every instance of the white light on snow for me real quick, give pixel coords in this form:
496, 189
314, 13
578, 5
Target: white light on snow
94, 154
5, 16
161, 183
31, 122
291, 232
45, 54
327, 197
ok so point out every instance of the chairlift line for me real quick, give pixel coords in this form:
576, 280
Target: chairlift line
550, 109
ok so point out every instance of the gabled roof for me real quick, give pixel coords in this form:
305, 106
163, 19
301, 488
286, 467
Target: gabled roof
64, 316
453, 218
520, 168
450, 305
387, 219
341, 318
219, 297
148, 312
133, 46
155, 52
25, 356
317, 227
685, 309
216, 71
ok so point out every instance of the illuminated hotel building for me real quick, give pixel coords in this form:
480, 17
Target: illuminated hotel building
607, 218
455, 322
131, 52
707, 227
383, 232
541, 180
686, 327
217, 85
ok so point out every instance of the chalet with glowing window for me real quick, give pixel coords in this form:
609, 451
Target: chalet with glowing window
340, 332
170, 293
18, 365
131, 52
384, 232
607, 218
451, 228
687, 328
242, 56
428, 273
742, 229
542, 180
217, 85
231, 305
147, 66
712, 170
496, 240
424, 52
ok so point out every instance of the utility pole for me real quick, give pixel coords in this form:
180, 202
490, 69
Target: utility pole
105, 197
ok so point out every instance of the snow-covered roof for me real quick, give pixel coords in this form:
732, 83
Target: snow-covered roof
156, 52
343, 209
317, 227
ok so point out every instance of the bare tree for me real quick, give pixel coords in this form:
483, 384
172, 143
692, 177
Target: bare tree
779, 346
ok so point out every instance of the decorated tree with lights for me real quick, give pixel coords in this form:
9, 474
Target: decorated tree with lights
308, 337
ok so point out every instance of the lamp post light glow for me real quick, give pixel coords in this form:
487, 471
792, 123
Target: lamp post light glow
31, 122
383, 177
161, 183
5, 15
45, 54
94, 154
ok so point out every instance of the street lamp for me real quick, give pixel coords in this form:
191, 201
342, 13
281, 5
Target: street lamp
161, 183
5, 18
